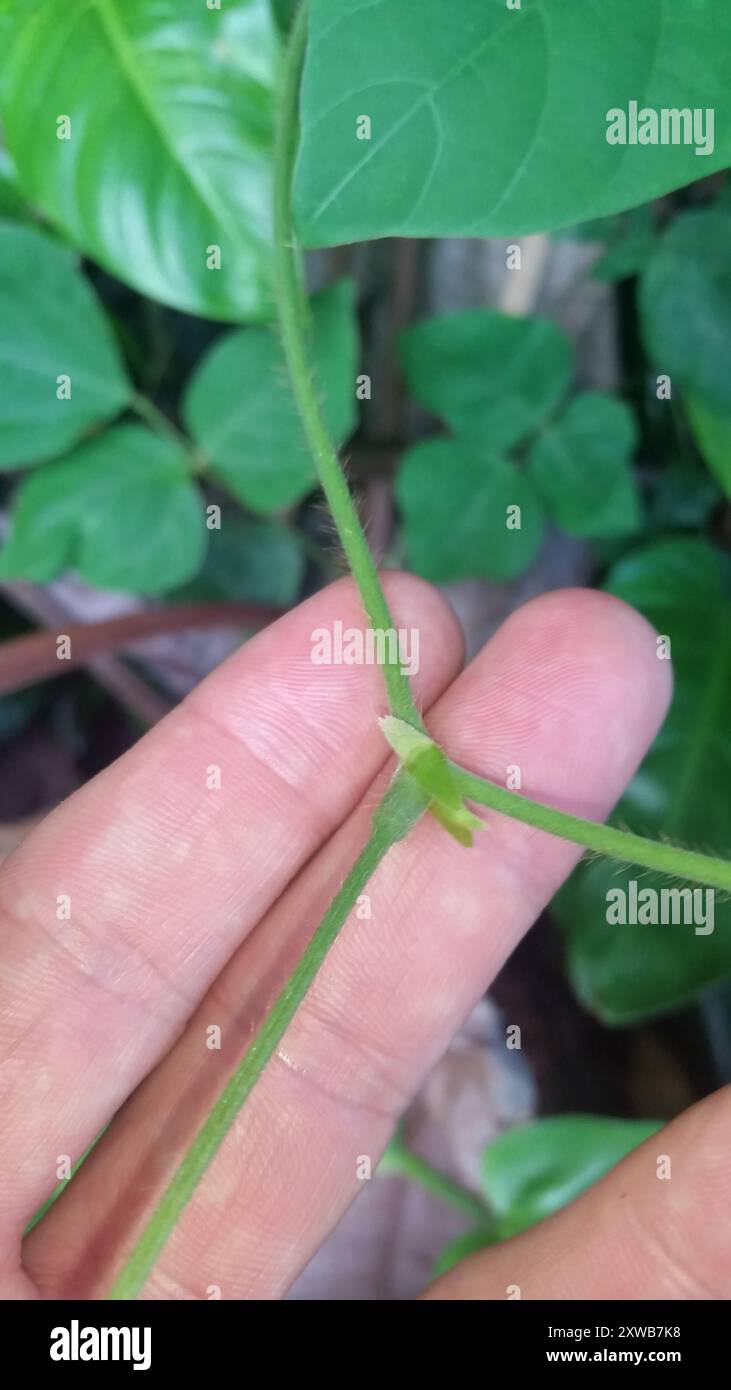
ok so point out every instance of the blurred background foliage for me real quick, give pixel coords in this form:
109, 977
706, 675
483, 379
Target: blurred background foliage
150, 449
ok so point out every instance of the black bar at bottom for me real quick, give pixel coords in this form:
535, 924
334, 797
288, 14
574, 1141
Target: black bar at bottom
201, 1339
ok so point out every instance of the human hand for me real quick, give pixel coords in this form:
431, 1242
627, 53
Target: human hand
190, 904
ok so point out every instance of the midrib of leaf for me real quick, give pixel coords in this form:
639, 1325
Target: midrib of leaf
509, 393
558, 447
426, 97
504, 393
193, 174
711, 708
338, 18
542, 11
518, 171
461, 530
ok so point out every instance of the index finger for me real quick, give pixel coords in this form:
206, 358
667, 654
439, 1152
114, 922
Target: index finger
123, 906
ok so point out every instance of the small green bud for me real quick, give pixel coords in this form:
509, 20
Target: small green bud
430, 768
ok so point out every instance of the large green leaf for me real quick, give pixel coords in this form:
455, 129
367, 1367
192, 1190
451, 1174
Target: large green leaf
171, 112
581, 466
456, 499
490, 376
240, 407
627, 972
489, 121
685, 302
51, 327
121, 510
531, 1171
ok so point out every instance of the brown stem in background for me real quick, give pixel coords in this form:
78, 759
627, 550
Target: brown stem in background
402, 301
379, 453
25, 660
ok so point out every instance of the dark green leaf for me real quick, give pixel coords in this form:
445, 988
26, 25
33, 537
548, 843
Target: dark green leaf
457, 502
682, 495
51, 328
628, 972
629, 247
685, 303
247, 560
171, 113
494, 122
490, 376
240, 408
581, 465
534, 1170
121, 510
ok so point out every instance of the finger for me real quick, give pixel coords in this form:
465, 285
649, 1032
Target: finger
571, 691
125, 904
656, 1227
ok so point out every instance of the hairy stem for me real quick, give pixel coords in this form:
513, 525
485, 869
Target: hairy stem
293, 308
397, 813
602, 839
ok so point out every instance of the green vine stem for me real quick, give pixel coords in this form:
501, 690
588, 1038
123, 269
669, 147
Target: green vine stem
394, 817
605, 840
407, 798
401, 1161
448, 786
294, 325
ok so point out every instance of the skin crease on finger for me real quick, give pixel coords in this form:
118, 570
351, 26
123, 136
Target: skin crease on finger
571, 690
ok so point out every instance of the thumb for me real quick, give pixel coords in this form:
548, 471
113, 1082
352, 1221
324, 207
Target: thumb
650, 1229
